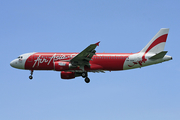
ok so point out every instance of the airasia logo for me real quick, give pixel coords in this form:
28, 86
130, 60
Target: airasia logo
54, 58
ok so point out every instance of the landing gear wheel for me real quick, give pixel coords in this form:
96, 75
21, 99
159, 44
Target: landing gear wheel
87, 80
30, 77
84, 74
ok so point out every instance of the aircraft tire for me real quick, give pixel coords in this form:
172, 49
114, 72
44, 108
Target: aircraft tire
30, 77
84, 74
87, 80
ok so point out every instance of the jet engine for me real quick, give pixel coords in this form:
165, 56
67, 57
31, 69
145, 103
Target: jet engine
67, 75
62, 66
70, 75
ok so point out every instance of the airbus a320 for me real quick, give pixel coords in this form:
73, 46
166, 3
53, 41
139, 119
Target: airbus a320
73, 64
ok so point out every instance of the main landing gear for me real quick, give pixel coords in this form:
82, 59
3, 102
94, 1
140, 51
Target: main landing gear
31, 77
84, 75
87, 80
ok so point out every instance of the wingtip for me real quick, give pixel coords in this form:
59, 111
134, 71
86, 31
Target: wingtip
97, 43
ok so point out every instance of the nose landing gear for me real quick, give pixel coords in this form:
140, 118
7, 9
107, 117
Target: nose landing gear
31, 77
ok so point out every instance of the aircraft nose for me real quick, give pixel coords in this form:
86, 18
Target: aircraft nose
13, 63
16, 63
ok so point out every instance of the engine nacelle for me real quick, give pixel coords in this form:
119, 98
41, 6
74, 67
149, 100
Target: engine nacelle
61, 66
67, 75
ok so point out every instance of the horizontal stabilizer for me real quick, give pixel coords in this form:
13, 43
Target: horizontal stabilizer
159, 55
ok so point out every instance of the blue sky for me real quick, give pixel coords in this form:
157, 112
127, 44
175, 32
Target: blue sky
151, 92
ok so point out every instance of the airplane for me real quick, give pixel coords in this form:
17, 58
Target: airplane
73, 64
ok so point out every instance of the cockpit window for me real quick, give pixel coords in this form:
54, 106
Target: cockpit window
20, 57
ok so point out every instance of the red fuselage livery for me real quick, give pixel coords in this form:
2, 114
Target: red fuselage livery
73, 65
100, 61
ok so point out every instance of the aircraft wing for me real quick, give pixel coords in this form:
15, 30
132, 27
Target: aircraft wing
85, 56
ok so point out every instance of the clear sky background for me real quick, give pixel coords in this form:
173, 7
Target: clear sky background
149, 93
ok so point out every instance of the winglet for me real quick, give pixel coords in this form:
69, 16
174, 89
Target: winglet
97, 43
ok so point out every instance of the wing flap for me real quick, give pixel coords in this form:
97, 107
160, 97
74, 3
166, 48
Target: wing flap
85, 56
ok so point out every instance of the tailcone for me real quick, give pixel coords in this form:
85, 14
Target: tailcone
167, 58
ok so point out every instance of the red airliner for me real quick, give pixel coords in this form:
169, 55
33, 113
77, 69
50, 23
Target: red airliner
73, 65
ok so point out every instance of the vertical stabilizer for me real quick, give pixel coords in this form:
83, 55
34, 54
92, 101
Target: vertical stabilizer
157, 43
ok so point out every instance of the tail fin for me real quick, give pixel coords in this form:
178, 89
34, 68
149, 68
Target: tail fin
157, 43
